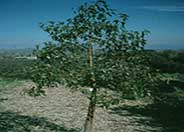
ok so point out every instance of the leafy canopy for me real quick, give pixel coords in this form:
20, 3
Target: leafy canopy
119, 61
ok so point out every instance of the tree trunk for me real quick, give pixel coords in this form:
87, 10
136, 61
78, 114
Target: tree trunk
88, 126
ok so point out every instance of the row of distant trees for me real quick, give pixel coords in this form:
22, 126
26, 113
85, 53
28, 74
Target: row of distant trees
168, 61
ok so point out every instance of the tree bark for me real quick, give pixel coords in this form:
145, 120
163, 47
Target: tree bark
88, 126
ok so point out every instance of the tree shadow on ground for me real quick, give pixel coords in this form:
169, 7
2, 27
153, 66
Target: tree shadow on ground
169, 117
13, 122
3, 99
167, 112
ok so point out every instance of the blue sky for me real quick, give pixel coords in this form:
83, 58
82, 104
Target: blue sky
19, 20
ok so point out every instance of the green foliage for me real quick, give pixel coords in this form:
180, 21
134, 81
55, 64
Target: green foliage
11, 67
168, 61
120, 63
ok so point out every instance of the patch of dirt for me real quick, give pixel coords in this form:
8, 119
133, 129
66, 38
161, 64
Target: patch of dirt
62, 107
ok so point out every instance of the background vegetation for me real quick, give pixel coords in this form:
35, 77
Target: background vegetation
168, 105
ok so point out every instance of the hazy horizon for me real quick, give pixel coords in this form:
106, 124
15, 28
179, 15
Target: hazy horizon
148, 47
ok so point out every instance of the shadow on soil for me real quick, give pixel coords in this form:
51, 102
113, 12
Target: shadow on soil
13, 122
167, 112
169, 117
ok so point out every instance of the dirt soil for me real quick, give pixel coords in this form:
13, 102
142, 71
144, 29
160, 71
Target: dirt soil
62, 110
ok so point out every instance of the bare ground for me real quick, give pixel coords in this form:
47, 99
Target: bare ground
62, 110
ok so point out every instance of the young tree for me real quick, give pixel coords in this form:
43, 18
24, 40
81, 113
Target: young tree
94, 49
